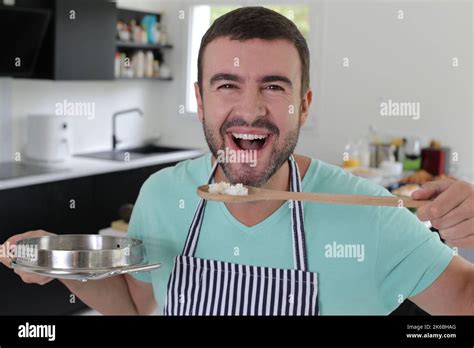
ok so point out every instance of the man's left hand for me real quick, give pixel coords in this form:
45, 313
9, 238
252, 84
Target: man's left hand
451, 211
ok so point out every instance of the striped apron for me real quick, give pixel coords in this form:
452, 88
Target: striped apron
209, 287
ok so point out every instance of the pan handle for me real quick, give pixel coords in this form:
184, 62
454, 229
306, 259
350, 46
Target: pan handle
140, 268
130, 269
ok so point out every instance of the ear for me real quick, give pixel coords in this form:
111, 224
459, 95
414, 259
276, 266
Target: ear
200, 108
305, 104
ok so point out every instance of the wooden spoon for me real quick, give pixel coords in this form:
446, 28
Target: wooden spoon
257, 194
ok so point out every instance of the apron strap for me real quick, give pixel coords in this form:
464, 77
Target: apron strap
297, 220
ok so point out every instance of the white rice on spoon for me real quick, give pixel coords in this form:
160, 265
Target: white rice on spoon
225, 188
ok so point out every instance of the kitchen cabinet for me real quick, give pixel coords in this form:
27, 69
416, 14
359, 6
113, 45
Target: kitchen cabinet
81, 205
84, 39
79, 43
60, 207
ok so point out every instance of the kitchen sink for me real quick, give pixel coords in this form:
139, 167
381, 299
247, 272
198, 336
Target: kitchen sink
125, 155
153, 149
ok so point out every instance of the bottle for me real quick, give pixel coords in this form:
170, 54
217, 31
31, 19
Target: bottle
412, 151
144, 35
391, 168
133, 30
138, 63
351, 157
148, 24
163, 36
363, 146
374, 140
156, 68
124, 66
157, 31
149, 64
118, 65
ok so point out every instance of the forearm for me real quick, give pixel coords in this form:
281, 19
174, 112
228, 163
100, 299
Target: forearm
466, 301
471, 295
452, 293
109, 296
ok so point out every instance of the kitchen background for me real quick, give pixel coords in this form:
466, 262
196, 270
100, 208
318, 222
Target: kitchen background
363, 53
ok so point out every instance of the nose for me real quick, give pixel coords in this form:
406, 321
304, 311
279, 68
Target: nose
250, 105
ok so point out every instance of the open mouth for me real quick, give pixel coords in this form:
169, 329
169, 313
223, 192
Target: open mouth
245, 141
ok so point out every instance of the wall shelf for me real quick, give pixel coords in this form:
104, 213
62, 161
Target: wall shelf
138, 45
130, 47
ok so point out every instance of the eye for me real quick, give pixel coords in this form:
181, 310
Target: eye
226, 86
274, 88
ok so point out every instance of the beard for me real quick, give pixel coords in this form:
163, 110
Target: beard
243, 172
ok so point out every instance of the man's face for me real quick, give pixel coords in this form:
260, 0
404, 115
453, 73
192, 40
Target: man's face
251, 101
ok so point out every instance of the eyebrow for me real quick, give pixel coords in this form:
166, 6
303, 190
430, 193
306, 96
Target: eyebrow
236, 78
225, 77
276, 78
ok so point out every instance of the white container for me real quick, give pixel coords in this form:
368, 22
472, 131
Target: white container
165, 71
390, 168
48, 138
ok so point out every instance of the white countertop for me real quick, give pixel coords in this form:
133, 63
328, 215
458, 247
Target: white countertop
78, 167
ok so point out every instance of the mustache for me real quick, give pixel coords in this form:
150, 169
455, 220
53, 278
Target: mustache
259, 123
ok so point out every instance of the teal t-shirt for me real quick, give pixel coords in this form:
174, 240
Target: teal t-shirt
368, 259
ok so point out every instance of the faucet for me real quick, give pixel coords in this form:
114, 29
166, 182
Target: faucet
115, 141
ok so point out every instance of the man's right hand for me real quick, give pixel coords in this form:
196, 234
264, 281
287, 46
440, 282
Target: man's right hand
25, 276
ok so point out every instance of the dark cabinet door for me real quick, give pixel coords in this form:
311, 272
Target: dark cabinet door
84, 39
112, 190
72, 209
60, 207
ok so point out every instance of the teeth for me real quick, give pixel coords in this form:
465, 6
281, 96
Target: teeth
249, 136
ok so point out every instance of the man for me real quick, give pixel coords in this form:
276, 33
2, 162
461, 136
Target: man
274, 257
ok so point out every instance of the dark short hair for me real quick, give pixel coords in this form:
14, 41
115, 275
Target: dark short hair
247, 23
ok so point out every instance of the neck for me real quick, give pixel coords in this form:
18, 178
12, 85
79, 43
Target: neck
254, 212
